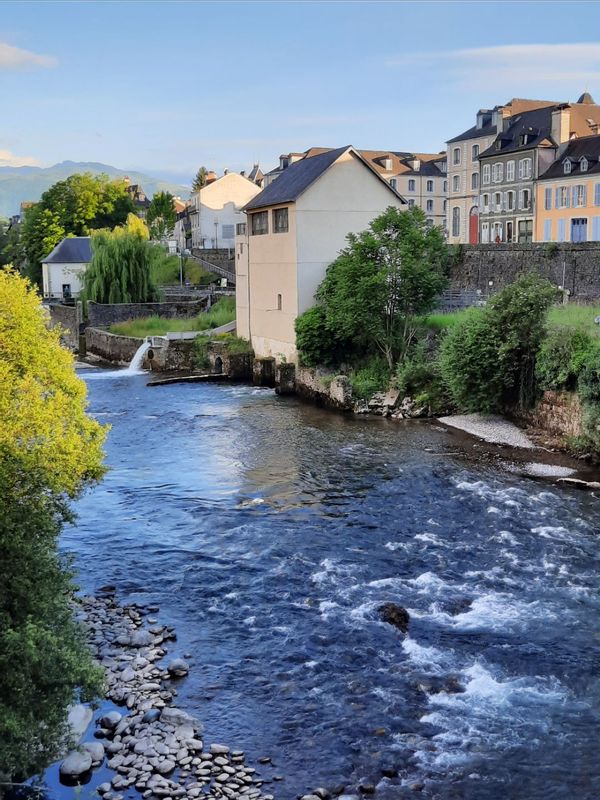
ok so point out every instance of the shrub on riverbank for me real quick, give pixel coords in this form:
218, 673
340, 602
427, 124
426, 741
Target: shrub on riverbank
231, 345
49, 451
221, 313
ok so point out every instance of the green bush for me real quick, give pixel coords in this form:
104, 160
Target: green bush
200, 355
420, 377
315, 342
372, 377
562, 356
588, 385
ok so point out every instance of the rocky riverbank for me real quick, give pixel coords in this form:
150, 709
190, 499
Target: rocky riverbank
151, 745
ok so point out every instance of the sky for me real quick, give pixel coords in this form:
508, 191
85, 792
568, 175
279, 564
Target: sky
164, 87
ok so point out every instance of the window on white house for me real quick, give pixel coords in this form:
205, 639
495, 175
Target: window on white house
474, 152
227, 231
279, 302
430, 205
566, 166
456, 155
510, 170
486, 173
260, 223
280, 220
456, 221
474, 180
393, 183
411, 184
430, 186
525, 168
456, 183
411, 203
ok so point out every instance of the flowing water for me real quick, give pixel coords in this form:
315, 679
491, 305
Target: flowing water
269, 532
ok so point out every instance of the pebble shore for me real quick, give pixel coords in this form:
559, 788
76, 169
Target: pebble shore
152, 746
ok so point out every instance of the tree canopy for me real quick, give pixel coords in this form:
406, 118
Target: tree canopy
373, 292
200, 179
49, 451
161, 216
76, 206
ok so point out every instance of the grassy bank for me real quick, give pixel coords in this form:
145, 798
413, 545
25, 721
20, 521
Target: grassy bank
220, 314
165, 272
573, 315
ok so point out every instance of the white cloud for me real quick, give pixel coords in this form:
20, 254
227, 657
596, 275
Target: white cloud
8, 159
511, 66
16, 58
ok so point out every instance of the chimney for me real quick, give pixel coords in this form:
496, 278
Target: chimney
225, 171
561, 119
387, 164
211, 177
243, 173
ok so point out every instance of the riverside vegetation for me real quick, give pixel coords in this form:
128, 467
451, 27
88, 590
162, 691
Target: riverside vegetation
378, 296
222, 312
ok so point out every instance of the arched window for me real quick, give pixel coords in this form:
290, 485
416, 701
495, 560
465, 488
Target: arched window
456, 156
456, 221
475, 152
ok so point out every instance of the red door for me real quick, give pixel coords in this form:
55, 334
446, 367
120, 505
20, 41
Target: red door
473, 227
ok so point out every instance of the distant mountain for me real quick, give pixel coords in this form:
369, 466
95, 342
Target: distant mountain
29, 183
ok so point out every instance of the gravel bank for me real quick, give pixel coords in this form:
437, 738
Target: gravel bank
491, 428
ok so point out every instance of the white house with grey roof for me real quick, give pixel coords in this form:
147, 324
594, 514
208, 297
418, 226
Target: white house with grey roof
63, 268
295, 228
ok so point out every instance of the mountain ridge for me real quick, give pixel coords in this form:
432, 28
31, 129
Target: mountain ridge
19, 184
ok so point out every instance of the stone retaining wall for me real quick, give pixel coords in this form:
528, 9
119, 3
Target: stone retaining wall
557, 413
102, 315
177, 355
574, 266
110, 347
324, 387
68, 317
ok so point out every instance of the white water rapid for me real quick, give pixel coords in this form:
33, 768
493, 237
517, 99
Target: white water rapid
135, 367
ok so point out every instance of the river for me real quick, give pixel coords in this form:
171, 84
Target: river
269, 532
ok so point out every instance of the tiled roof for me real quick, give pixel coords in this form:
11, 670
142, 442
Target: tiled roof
296, 178
588, 146
73, 250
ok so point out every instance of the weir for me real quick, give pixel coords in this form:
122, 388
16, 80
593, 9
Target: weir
135, 366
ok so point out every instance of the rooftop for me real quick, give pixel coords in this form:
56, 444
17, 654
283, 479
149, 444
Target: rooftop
72, 250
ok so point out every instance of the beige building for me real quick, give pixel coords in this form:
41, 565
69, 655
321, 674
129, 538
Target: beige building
63, 268
216, 209
295, 228
464, 178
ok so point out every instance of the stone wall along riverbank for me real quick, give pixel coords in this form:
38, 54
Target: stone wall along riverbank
110, 347
104, 315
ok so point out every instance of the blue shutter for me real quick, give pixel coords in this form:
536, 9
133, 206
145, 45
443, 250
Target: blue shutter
557, 198
584, 195
561, 230
596, 227
597, 194
547, 230
574, 196
548, 199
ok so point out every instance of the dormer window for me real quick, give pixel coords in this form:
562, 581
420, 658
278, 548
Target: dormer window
567, 166
583, 164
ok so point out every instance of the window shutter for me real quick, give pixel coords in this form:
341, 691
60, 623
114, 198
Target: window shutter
574, 196
547, 230
596, 228
597, 194
557, 198
561, 230
584, 197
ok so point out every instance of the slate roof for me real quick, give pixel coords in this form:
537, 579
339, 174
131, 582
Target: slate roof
295, 179
72, 250
475, 133
537, 124
588, 146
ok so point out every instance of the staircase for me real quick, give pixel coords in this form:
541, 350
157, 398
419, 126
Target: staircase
218, 263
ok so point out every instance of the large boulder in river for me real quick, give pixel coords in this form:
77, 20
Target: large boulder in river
178, 718
395, 615
75, 765
178, 668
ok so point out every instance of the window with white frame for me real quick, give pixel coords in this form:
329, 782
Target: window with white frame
524, 199
474, 152
486, 173
583, 164
393, 183
411, 184
445, 186
498, 201
485, 202
547, 199
510, 201
597, 194
497, 231
430, 206
456, 221
456, 156
474, 180
497, 172
566, 166
280, 220
524, 168
430, 186
259, 223
510, 170
579, 196
563, 197
485, 232
456, 183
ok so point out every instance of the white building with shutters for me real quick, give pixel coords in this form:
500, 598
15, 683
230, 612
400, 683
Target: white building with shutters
215, 210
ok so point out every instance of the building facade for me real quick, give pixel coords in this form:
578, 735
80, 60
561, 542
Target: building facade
567, 195
63, 268
295, 228
216, 209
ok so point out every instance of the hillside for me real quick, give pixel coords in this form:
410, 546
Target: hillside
29, 183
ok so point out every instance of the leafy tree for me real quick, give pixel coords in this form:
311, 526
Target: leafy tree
200, 179
382, 281
488, 361
121, 269
49, 451
75, 206
161, 216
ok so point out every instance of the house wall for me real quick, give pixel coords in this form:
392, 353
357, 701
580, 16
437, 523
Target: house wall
220, 202
419, 196
54, 276
590, 211
465, 198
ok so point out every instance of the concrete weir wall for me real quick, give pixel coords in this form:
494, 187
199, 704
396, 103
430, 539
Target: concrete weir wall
103, 316
576, 267
110, 347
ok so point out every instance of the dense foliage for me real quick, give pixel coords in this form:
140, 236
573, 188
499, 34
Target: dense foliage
75, 206
375, 290
121, 269
161, 216
488, 361
200, 179
49, 451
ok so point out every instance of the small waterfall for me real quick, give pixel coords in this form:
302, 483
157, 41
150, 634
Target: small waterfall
135, 366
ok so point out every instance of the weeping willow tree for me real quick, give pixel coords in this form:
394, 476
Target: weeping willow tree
121, 268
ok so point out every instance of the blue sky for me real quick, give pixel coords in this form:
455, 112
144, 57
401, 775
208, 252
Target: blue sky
167, 86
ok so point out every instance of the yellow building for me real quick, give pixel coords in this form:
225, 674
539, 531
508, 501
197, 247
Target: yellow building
568, 195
